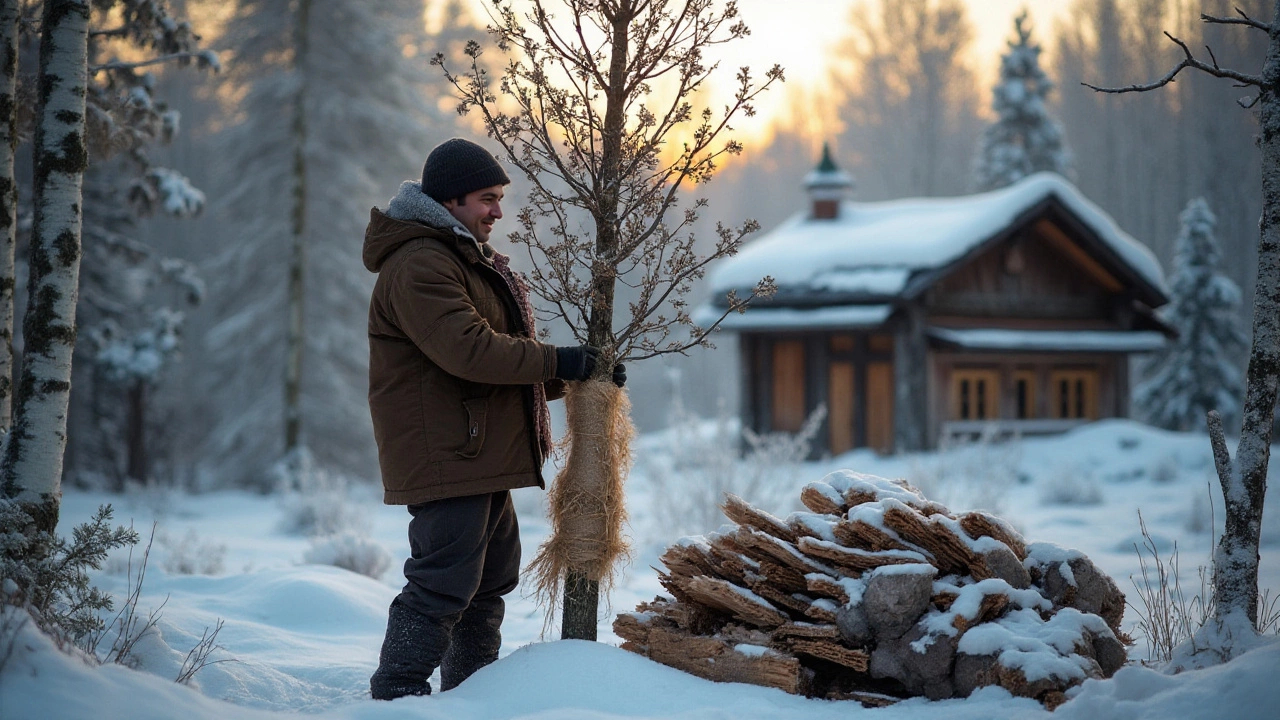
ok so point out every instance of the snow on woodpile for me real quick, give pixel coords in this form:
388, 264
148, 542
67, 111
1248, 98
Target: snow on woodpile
877, 594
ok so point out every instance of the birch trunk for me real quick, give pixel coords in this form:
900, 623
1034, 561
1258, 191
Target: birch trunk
10, 14
1244, 487
582, 593
32, 465
298, 249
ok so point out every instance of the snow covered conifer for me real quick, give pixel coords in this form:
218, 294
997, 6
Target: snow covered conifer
1024, 139
1199, 371
326, 117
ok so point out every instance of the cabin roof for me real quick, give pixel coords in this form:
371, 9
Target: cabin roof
880, 251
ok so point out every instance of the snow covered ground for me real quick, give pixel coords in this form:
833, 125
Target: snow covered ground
304, 637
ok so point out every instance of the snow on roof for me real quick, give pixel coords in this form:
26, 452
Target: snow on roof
767, 318
1057, 340
873, 247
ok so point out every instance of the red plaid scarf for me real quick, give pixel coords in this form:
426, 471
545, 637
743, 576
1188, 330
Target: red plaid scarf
520, 291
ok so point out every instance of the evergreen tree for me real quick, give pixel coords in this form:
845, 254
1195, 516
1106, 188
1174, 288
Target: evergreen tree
1199, 371
334, 113
1024, 139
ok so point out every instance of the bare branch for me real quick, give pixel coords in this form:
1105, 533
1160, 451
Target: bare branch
1218, 439
1189, 61
117, 65
1242, 20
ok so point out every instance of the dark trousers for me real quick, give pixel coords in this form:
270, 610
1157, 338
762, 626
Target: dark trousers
464, 551
465, 555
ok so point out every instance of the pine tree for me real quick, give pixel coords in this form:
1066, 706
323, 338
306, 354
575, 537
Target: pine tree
1024, 139
329, 113
1199, 371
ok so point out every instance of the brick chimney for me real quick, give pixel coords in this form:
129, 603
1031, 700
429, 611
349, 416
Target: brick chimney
827, 186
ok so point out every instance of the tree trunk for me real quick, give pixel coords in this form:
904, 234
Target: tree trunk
10, 14
582, 593
136, 433
298, 249
1235, 579
32, 465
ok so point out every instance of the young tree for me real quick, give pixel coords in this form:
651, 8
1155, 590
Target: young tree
1244, 478
603, 128
1024, 139
331, 103
1197, 372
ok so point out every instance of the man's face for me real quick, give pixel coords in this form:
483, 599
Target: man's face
478, 211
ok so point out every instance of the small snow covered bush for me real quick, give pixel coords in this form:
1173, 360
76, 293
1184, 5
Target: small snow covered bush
1071, 486
350, 551
698, 462
1165, 471
316, 501
969, 474
193, 556
1200, 514
49, 576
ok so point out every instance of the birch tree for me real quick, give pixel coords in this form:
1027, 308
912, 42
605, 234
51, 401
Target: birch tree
603, 126
71, 111
32, 463
10, 23
1244, 477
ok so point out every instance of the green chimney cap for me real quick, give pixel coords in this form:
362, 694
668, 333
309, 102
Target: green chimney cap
827, 165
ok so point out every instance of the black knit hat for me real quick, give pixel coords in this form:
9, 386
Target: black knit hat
457, 167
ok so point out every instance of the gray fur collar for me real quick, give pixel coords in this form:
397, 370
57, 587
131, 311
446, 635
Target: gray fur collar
410, 203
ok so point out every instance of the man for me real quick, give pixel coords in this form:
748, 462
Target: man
458, 391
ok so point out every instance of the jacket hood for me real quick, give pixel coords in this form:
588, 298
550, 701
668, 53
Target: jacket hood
412, 214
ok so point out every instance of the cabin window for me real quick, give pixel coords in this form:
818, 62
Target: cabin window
975, 394
1073, 394
788, 386
1024, 394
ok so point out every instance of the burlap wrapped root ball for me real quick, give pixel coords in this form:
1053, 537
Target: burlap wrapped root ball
587, 507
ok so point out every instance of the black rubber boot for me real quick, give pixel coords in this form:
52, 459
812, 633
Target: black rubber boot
475, 642
411, 651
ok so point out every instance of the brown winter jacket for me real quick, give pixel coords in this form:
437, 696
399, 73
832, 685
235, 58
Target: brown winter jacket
451, 366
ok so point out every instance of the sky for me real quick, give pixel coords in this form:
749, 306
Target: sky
800, 34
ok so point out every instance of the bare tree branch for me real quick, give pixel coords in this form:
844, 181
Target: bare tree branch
1242, 20
1218, 439
1189, 61
117, 65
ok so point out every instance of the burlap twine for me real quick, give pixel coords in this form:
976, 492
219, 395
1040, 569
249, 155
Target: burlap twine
587, 508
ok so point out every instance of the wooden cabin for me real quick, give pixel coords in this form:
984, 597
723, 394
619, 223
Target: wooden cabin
920, 320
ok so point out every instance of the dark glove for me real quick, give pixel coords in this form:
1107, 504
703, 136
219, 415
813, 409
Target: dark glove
619, 374
576, 363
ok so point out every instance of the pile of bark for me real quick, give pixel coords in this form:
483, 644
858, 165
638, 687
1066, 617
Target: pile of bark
878, 593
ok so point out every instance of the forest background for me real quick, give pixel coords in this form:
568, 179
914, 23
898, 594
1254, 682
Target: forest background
901, 91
